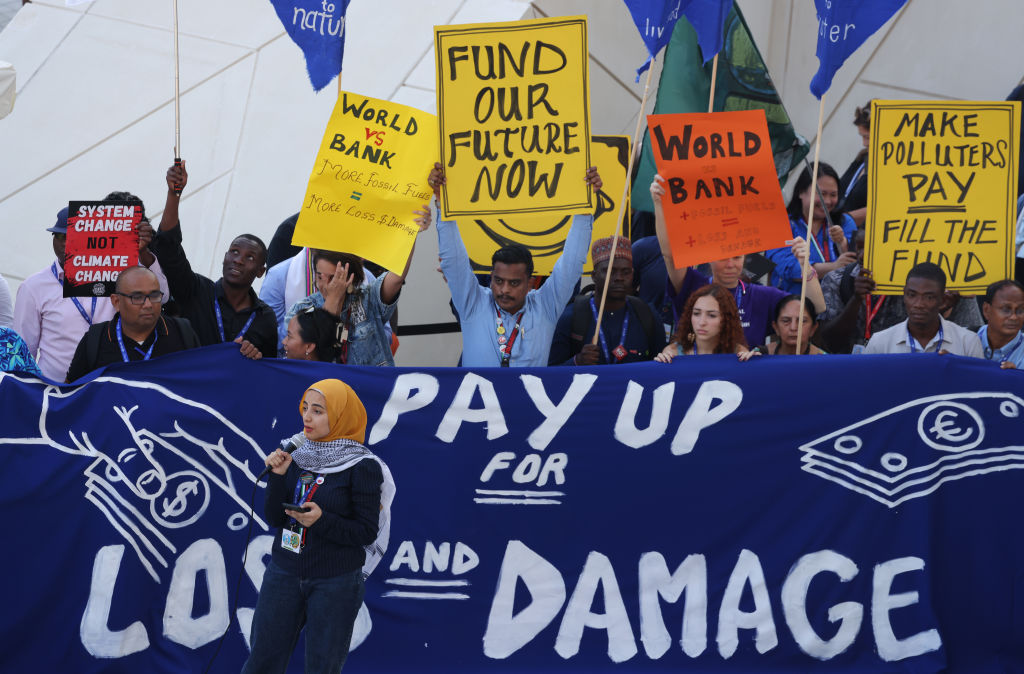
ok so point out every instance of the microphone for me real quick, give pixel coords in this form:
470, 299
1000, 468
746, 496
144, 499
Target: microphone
288, 445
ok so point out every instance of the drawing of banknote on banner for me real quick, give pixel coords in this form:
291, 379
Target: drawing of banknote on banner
544, 235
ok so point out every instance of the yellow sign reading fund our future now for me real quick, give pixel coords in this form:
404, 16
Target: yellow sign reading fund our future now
370, 174
942, 188
514, 116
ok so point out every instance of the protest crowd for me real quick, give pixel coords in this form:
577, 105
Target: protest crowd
336, 307
636, 296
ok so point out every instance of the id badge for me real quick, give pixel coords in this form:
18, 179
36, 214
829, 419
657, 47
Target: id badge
619, 352
291, 540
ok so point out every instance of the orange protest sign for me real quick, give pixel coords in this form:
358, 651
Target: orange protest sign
722, 195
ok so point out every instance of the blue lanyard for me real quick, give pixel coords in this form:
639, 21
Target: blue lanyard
305, 487
220, 321
853, 180
120, 343
913, 342
87, 316
1007, 350
622, 337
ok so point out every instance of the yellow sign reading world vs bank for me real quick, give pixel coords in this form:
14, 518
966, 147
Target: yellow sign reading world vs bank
513, 104
942, 188
369, 176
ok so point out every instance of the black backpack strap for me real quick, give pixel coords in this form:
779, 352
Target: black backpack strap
846, 284
581, 317
647, 319
92, 345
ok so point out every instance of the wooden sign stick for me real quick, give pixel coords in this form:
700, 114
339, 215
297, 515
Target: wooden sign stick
622, 202
810, 220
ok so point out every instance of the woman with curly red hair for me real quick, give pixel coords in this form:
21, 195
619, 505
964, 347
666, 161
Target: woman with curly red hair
710, 323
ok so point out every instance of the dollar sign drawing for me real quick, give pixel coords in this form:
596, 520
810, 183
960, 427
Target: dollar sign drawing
176, 507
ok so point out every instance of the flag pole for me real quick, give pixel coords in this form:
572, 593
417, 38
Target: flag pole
714, 80
810, 218
622, 202
177, 98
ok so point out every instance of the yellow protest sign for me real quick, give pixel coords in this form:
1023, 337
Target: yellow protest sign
942, 188
369, 176
513, 105
544, 235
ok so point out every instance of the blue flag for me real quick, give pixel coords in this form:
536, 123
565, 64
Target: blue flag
843, 26
655, 19
318, 27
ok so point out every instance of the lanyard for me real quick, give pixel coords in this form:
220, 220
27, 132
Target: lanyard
505, 344
302, 495
853, 180
913, 342
620, 350
814, 242
872, 312
78, 305
1007, 350
220, 321
739, 293
120, 343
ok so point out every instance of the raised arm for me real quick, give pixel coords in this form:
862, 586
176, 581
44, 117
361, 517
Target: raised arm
675, 276
181, 280
455, 265
393, 282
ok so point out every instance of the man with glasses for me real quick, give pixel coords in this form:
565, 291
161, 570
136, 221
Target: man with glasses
52, 325
138, 331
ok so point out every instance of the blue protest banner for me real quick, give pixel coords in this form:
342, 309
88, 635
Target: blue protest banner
656, 19
647, 517
843, 26
318, 28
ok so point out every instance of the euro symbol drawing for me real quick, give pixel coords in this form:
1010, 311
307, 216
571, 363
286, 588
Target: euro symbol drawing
943, 421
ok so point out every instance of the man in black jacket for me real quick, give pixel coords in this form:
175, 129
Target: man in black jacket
137, 332
227, 310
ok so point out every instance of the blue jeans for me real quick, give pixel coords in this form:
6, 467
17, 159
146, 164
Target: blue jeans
327, 607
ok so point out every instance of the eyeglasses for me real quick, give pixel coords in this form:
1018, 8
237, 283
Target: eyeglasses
140, 298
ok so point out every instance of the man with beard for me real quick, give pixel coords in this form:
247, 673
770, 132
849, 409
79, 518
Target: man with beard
224, 310
925, 330
137, 332
629, 330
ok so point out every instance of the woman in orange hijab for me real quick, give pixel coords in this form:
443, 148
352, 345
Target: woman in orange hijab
330, 500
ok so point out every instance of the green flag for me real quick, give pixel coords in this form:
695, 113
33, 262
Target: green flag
743, 84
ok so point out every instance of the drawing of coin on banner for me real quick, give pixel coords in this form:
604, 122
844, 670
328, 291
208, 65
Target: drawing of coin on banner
370, 174
513, 106
722, 195
102, 241
942, 188
544, 235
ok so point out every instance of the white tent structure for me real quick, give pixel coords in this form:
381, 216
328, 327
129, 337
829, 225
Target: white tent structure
94, 110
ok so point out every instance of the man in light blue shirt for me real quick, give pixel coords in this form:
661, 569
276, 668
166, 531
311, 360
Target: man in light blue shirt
1001, 338
508, 324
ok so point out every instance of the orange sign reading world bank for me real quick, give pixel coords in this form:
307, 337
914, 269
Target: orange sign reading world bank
722, 196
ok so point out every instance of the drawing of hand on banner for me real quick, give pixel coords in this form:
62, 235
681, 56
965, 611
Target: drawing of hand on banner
368, 180
157, 466
544, 235
514, 117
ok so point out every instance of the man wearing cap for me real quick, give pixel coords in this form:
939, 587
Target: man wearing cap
629, 333
509, 325
51, 324
138, 330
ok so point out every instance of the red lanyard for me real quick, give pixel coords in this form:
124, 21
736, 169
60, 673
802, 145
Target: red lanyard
505, 346
872, 312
